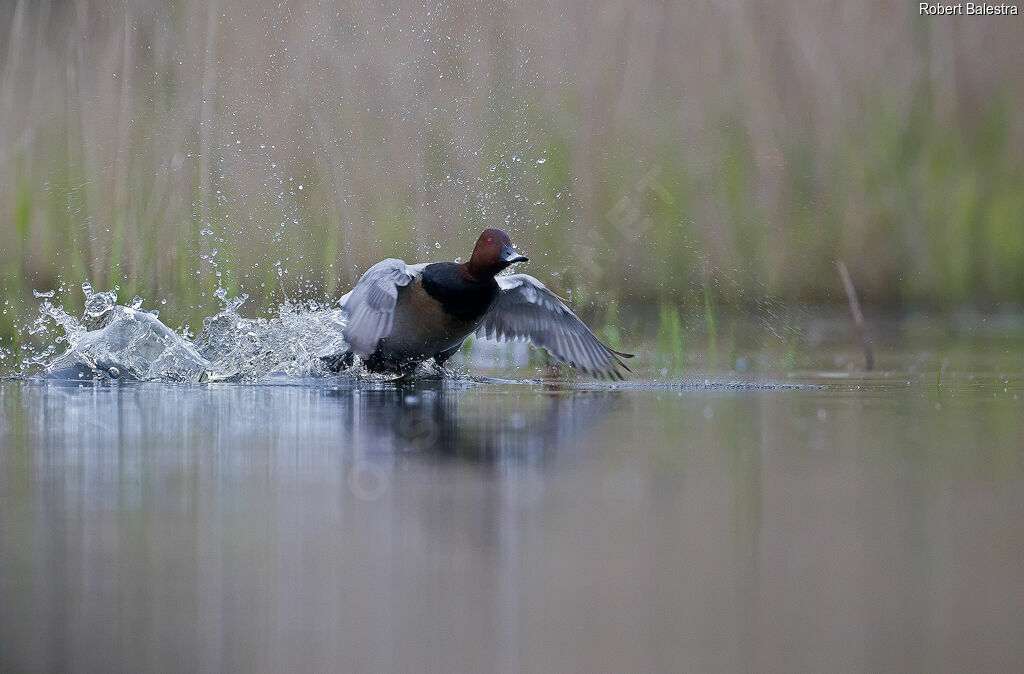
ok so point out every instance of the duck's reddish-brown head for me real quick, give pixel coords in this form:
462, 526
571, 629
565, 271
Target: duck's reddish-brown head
493, 252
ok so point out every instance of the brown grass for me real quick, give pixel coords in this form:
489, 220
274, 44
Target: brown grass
752, 142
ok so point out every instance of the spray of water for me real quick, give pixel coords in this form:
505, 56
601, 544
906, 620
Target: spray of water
114, 341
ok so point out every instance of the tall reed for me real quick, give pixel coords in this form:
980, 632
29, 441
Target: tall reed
155, 145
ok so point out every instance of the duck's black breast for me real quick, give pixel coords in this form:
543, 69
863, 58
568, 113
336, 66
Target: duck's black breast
460, 297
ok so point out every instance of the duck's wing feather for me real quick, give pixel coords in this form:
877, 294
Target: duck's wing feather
370, 306
527, 310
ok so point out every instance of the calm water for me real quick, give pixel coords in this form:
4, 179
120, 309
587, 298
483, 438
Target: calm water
865, 524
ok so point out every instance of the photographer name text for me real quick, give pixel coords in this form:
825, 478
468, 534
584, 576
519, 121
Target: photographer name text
967, 9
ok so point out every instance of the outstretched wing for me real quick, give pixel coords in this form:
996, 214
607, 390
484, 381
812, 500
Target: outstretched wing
370, 306
526, 310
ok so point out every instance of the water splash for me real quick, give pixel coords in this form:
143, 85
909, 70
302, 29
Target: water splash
291, 343
97, 306
113, 341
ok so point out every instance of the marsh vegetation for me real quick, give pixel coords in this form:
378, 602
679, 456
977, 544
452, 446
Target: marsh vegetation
665, 158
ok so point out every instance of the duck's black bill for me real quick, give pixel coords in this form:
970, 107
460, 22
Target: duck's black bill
509, 254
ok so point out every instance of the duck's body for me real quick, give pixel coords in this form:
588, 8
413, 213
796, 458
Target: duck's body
434, 314
399, 314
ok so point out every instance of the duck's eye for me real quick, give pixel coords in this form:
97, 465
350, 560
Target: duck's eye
490, 240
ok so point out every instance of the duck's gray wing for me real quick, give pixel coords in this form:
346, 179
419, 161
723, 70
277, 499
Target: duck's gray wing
370, 306
526, 310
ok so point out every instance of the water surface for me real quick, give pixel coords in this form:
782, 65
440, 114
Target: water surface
857, 524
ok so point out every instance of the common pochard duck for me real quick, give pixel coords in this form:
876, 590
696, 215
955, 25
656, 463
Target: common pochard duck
400, 314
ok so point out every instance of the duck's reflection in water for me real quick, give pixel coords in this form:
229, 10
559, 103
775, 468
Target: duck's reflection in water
435, 418
459, 462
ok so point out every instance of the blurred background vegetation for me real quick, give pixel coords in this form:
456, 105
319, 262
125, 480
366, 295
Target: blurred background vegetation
661, 155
